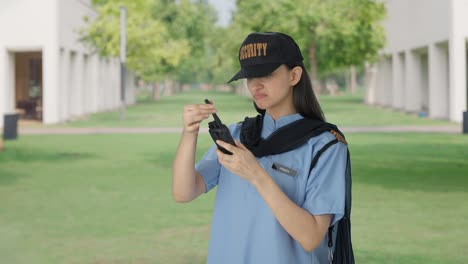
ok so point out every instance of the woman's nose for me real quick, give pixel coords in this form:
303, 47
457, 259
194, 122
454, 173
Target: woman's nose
255, 83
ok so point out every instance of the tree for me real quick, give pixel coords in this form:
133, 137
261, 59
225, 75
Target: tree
150, 49
192, 22
333, 34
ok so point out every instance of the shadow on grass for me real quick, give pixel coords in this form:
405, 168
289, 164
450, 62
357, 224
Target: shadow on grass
184, 259
378, 257
8, 176
342, 99
18, 156
412, 167
23, 154
160, 159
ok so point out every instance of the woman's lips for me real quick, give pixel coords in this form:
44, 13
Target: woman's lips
259, 96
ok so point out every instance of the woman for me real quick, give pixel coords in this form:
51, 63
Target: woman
269, 209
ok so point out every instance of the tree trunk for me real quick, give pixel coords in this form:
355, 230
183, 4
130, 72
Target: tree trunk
332, 86
168, 87
316, 85
348, 81
353, 80
156, 91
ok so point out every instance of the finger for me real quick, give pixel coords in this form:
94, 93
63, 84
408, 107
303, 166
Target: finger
221, 156
206, 106
196, 118
197, 107
240, 145
227, 146
190, 107
207, 111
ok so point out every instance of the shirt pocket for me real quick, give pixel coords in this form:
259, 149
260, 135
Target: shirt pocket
285, 175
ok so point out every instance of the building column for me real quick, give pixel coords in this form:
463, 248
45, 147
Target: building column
380, 82
114, 83
78, 85
3, 82
94, 82
387, 87
457, 75
370, 83
51, 82
424, 81
102, 85
398, 81
413, 86
106, 81
7, 83
457, 62
438, 82
86, 89
72, 88
64, 72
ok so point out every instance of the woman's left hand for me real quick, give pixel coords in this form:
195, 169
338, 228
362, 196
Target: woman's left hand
242, 162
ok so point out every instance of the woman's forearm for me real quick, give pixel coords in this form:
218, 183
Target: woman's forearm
305, 228
183, 169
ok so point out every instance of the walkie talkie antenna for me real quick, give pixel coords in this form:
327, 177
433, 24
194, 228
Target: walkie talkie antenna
219, 131
215, 116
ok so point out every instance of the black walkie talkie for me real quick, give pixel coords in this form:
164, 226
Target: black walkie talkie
220, 131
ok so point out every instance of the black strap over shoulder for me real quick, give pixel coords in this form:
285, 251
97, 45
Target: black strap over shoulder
284, 139
290, 137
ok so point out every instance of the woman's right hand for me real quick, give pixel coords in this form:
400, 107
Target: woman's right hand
194, 114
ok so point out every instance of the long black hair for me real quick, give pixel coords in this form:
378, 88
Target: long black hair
304, 100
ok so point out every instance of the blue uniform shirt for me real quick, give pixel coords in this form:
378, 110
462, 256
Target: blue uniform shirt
244, 229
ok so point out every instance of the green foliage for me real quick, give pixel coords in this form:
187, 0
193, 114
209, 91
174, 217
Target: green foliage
165, 38
150, 50
192, 22
180, 39
343, 32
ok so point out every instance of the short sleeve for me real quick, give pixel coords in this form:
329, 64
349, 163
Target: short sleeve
209, 167
325, 188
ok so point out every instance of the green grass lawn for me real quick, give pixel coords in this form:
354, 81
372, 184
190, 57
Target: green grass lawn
345, 110
107, 199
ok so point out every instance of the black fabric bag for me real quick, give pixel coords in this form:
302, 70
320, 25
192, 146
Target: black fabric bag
293, 136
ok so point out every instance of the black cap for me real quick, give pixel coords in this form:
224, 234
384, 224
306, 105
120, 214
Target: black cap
262, 53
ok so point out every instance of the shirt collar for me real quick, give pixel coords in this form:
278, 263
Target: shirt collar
270, 125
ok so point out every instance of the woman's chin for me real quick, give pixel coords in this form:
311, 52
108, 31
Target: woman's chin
262, 108
261, 105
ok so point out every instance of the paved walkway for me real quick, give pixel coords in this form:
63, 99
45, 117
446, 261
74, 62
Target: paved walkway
116, 130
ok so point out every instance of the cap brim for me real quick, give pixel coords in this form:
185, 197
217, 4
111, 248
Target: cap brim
255, 71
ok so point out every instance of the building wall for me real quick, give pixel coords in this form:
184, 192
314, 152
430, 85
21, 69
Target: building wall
427, 43
412, 24
75, 80
25, 25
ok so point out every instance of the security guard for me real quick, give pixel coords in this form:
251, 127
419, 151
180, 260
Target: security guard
272, 209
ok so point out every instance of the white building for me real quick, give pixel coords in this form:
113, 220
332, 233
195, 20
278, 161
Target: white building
424, 65
45, 72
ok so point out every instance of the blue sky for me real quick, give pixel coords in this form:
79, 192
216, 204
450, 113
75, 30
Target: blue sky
224, 8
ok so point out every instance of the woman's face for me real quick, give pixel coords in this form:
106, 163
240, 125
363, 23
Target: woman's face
274, 92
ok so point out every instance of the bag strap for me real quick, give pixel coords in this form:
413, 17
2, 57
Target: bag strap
338, 138
319, 153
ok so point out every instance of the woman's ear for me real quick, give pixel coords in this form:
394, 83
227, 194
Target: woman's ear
295, 74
